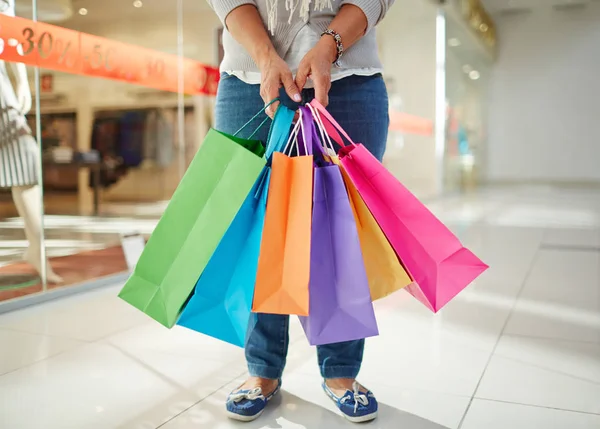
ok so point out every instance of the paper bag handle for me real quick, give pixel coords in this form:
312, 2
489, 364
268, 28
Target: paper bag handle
330, 124
280, 129
254, 117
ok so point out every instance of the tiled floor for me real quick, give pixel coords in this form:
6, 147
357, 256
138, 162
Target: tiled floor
519, 349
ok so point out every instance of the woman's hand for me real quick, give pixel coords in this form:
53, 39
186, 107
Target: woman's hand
246, 26
316, 64
275, 73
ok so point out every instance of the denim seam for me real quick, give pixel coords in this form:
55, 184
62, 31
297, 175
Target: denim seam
340, 371
260, 366
285, 335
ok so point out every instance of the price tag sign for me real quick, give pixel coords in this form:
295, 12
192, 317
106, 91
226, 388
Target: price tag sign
39, 44
13, 34
159, 70
102, 57
56, 48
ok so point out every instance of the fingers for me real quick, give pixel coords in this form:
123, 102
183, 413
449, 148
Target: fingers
272, 109
269, 90
322, 85
302, 74
290, 86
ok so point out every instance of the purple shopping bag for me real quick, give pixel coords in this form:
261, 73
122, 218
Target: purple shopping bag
340, 307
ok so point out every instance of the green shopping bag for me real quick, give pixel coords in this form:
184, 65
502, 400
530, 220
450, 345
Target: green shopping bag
200, 211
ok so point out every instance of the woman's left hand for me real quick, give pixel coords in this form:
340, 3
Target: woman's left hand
316, 65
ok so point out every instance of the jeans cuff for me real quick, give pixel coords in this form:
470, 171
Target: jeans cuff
339, 372
263, 371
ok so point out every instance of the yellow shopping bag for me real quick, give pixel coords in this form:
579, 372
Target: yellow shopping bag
385, 271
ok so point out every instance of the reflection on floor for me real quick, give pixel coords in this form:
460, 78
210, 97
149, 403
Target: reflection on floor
66, 235
74, 269
80, 248
69, 229
519, 349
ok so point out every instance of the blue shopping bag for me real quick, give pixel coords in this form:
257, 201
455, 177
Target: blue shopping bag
222, 300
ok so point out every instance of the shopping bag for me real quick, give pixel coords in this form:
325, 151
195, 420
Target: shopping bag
340, 301
385, 271
438, 263
203, 206
284, 262
221, 304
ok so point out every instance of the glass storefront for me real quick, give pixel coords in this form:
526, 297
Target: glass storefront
104, 104
467, 73
95, 140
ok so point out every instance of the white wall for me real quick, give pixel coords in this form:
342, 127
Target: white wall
545, 98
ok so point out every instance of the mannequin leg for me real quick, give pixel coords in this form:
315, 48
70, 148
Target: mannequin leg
28, 202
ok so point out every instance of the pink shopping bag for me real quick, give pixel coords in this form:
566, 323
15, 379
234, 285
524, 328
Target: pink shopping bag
439, 264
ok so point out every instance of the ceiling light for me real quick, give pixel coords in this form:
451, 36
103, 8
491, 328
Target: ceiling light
484, 27
474, 74
83, 11
467, 68
454, 42
138, 3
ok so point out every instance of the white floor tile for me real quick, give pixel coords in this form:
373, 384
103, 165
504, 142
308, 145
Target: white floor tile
574, 237
152, 336
561, 298
86, 317
540, 377
302, 404
102, 386
575, 359
414, 356
499, 415
19, 349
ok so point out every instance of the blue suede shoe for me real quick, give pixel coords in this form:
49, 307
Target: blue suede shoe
248, 405
356, 406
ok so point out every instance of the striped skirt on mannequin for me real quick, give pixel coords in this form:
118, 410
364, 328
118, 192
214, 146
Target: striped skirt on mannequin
18, 150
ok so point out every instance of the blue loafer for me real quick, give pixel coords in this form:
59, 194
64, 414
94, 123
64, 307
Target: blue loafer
248, 405
357, 406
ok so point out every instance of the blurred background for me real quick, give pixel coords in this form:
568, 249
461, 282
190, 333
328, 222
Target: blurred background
493, 123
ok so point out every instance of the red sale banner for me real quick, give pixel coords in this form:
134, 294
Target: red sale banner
56, 48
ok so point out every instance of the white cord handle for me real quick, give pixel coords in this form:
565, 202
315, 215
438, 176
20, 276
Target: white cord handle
324, 136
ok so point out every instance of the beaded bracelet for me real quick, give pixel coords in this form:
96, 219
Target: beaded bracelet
338, 44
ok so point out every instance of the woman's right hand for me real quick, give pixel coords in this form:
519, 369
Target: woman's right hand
275, 74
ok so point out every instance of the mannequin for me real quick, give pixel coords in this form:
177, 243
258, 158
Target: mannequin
19, 155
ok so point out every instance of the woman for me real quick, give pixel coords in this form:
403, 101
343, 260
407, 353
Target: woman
332, 50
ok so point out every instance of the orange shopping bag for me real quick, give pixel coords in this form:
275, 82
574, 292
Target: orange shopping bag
284, 263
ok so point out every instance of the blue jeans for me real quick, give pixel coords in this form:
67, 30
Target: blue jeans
360, 105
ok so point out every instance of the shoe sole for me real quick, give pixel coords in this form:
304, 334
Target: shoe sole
362, 419
241, 418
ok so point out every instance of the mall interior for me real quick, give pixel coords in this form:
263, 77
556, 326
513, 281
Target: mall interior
492, 126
